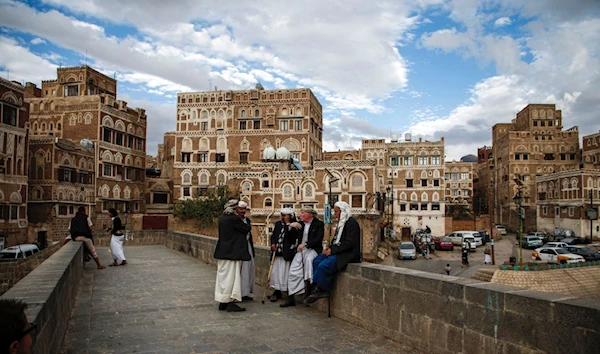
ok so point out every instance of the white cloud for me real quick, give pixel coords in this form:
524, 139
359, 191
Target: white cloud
21, 64
37, 41
502, 21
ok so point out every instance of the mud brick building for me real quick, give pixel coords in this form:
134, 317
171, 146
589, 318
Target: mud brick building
81, 105
14, 127
459, 178
533, 144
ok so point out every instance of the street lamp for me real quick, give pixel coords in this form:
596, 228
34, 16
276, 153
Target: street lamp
518, 201
329, 206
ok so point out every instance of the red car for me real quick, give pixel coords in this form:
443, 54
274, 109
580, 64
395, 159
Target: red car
443, 243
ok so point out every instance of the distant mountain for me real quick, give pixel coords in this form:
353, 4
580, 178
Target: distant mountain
468, 158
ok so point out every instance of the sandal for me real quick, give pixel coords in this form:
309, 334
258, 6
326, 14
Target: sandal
113, 265
101, 267
123, 263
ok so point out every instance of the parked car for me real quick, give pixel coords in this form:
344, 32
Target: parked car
485, 236
555, 255
531, 242
407, 251
469, 242
576, 240
556, 244
542, 235
584, 252
594, 247
457, 236
501, 229
443, 243
18, 251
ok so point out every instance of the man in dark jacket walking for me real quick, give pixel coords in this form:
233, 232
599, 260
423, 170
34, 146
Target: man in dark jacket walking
81, 230
231, 250
345, 248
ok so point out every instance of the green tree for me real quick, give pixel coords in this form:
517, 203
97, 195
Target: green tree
205, 209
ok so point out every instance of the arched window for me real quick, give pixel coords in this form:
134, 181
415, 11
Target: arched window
308, 191
257, 113
243, 113
288, 191
268, 203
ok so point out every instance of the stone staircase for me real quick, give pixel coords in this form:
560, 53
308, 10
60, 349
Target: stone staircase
484, 274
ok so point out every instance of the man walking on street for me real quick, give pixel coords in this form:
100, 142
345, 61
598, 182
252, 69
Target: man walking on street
81, 230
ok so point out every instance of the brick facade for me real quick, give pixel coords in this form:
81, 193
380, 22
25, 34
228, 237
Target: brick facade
14, 129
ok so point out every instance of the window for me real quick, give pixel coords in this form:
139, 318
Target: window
454, 192
436, 182
256, 124
204, 126
525, 156
455, 176
296, 156
409, 183
394, 161
203, 192
283, 125
464, 175
357, 201
243, 114
435, 206
402, 207
106, 135
160, 198
268, 202
202, 157
243, 125
334, 199
244, 157
464, 192
265, 184
422, 160
298, 125
220, 157
62, 210
414, 206
572, 157
571, 211
435, 160
186, 191
107, 170
119, 139
548, 156
545, 210
71, 90
185, 156
423, 183
140, 144
424, 206
9, 115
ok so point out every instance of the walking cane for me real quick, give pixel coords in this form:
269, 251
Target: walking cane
268, 277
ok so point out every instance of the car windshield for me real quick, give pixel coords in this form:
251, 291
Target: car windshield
445, 239
561, 251
7, 255
582, 250
407, 246
534, 238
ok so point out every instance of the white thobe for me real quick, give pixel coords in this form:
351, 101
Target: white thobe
228, 286
301, 268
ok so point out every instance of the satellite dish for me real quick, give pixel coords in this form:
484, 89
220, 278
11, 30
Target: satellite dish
86, 143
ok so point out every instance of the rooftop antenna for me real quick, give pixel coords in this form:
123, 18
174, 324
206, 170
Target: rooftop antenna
86, 57
209, 84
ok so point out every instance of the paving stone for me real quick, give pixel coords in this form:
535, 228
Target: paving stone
163, 302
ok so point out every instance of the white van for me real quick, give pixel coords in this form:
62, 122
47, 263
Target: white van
18, 251
460, 237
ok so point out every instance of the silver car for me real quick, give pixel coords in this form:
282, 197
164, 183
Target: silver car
407, 251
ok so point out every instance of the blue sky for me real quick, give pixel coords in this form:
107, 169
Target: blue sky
432, 68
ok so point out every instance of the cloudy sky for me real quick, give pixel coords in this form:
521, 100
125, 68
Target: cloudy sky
433, 68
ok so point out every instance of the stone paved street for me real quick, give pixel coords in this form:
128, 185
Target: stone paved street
162, 302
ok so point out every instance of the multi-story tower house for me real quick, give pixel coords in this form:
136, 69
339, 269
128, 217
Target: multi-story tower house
458, 177
82, 104
227, 131
412, 176
533, 144
14, 127
61, 178
483, 183
591, 150
563, 199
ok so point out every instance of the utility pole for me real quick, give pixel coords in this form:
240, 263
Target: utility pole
490, 214
590, 211
521, 214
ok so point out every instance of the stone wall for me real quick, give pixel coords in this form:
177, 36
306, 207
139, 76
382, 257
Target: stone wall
50, 292
438, 313
13, 271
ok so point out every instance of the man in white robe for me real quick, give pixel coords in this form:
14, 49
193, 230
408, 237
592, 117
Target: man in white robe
231, 250
310, 247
